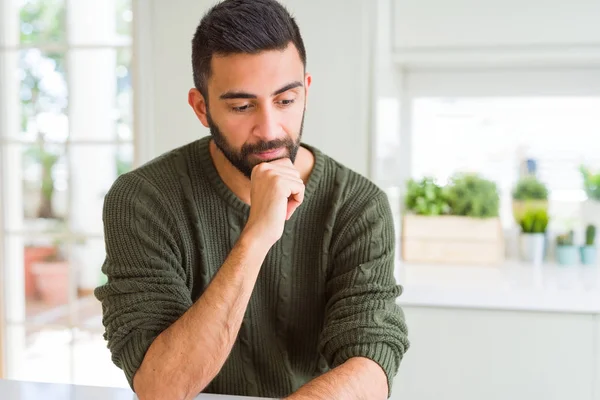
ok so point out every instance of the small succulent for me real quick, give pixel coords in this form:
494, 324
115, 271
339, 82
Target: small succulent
590, 235
566, 239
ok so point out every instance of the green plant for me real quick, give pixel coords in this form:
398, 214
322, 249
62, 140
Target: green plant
590, 235
45, 21
534, 221
566, 239
591, 182
471, 195
530, 188
425, 197
47, 160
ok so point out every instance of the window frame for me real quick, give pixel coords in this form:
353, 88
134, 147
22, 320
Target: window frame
140, 46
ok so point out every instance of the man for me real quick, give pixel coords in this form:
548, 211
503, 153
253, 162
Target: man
246, 262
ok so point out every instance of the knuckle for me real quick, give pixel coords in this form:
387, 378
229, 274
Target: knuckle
272, 174
262, 167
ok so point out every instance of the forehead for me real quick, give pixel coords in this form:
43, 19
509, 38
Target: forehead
262, 72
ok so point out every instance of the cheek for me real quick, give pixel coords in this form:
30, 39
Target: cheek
236, 130
292, 120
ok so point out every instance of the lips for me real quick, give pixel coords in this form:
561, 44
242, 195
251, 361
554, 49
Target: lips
267, 155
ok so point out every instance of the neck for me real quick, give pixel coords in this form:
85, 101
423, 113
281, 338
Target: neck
239, 184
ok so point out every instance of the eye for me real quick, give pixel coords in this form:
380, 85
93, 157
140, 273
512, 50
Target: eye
241, 109
287, 102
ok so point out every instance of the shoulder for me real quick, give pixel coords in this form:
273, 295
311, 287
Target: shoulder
160, 179
350, 190
153, 192
169, 167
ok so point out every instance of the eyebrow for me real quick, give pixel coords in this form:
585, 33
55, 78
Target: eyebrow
244, 95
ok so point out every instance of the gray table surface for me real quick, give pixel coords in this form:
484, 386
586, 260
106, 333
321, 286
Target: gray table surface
17, 390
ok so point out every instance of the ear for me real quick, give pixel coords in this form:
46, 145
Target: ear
307, 82
198, 103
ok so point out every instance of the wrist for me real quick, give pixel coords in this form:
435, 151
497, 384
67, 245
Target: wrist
254, 243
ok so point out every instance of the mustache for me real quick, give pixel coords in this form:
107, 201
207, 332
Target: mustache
260, 147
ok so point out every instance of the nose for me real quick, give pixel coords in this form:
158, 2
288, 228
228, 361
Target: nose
267, 126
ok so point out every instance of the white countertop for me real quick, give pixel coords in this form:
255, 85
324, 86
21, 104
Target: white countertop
16, 390
512, 286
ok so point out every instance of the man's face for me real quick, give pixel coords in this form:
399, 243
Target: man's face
256, 106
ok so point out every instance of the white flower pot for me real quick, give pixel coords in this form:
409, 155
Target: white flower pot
533, 247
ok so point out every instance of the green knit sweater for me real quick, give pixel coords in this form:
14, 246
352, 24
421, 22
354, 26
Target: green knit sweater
325, 293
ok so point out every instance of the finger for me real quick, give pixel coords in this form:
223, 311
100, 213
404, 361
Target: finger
296, 190
285, 162
295, 199
287, 174
291, 207
290, 169
279, 169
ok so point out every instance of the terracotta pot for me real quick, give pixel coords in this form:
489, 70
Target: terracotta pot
31, 256
52, 281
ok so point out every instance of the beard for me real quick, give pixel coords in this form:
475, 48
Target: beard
241, 159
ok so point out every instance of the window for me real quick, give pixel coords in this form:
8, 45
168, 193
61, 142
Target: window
494, 135
66, 133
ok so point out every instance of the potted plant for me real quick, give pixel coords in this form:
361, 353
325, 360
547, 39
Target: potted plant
46, 218
566, 251
455, 224
590, 209
470, 195
425, 197
588, 251
529, 193
534, 223
52, 277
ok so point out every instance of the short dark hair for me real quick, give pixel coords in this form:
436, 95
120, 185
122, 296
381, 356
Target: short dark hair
242, 26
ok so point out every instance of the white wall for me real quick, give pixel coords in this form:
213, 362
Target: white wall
476, 23
338, 58
168, 71
469, 33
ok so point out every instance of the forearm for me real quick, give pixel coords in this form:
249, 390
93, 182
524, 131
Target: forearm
356, 379
183, 359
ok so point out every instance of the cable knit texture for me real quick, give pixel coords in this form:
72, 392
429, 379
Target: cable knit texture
326, 291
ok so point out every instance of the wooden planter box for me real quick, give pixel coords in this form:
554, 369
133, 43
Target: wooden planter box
452, 240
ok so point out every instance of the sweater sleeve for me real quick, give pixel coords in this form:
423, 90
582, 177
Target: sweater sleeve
146, 289
362, 317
